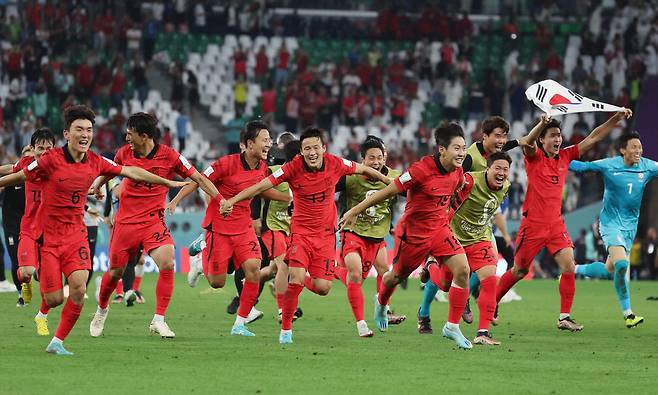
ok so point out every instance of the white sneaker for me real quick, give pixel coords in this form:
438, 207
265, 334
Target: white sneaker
254, 315
97, 324
6, 286
98, 288
196, 270
162, 329
441, 297
65, 291
514, 296
362, 328
506, 298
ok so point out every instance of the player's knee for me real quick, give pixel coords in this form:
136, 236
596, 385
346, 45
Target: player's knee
116, 273
323, 289
54, 300
217, 282
354, 277
621, 266
168, 265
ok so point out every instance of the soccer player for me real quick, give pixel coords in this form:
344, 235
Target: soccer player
233, 236
312, 178
363, 244
624, 177
139, 221
542, 224
67, 173
424, 228
477, 201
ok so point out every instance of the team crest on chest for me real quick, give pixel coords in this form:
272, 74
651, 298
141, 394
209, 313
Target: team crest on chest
640, 176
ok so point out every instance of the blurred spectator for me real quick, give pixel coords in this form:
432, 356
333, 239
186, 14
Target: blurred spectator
182, 122
649, 256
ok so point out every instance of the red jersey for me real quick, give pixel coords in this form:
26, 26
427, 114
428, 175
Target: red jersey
231, 174
143, 202
65, 186
30, 220
313, 193
429, 188
546, 177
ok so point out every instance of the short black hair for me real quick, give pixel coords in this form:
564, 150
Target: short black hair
372, 142
553, 123
79, 111
251, 131
444, 134
491, 123
623, 140
312, 132
42, 134
143, 123
291, 149
498, 156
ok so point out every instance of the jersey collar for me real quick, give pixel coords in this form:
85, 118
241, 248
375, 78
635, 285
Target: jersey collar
69, 158
557, 156
245, 164
439, 166
151, 154
309, 170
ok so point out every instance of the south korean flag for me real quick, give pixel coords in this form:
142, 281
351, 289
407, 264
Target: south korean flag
554, 99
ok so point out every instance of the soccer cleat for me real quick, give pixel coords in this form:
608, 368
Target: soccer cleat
424, 325
130, 298
363, 330
6, 286
394, 319
467, 314
42, 326
139, 298
26, 292
515, 297
241, 330
381, 318
197, 245
632, 320
118, 299
20, 302
97, 324
254, 315
57, 348
568, 324
424, 274
162, 329
285, 337
196, 271
485, 339
298, 314
457, 337
232, 307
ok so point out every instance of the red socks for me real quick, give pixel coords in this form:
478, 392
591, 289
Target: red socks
308, 283
107, 287
487, 302
279, 300
163, 290
340, 273
441, 276
505, 283
457, 298
44, 308
119, 288
355, 296
290, 305
567, 292
137, 283
70, 315
384, 294
248, 297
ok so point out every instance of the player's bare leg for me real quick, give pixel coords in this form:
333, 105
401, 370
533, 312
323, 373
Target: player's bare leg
355, 292
565, 261
77, 281
486, 304
381, 266
248, 296
457, 297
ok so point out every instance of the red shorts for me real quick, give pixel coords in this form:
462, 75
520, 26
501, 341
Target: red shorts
126, 239
316, 254
533, 236
220, 248
28, 251
481, 254
62, 258
351, 242
276, 242
442, 243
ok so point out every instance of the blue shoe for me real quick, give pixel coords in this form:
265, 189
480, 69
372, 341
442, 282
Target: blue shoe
57, 348
381, 318
197, 245
457, 336
285, 338
241, 330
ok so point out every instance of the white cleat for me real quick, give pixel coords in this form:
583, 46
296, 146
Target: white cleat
514, 296
196, 270
6, 286
254, 315
97, 324
364, 331
162, 329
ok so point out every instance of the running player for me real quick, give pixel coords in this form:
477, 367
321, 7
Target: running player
67, 174
424, 228
140, 218
624, 177
363, 244
312, 179
482, 194
542, 224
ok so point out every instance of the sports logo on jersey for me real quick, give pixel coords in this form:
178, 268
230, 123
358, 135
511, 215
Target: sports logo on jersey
208, 171
278, 173
640, 176
185, 162
405, 177
32, 166
347, 162
110, 161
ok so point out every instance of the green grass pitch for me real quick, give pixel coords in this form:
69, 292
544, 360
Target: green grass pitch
328, 356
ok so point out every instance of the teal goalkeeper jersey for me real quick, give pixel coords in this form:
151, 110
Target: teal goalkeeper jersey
624, 186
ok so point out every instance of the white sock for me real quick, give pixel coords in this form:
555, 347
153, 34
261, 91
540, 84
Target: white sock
452, 326
56, 340
139, 270
284, 331
361, 323
41, 315
627, 312
564, 315
102, 311
239, 320
158, 318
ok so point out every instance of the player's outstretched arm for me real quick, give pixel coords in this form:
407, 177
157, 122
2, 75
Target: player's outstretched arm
97, 187
372, 173
13, 179
205, 184
350, 215
6, 169
182, 194
273, 194
578, 166
529, 142
141, 175
603, 130
227, 205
